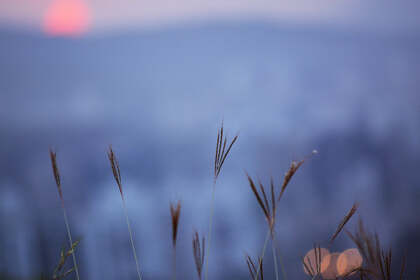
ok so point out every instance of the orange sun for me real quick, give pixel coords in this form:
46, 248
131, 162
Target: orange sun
66, 18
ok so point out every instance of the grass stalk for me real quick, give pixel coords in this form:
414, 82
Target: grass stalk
267, 237
115, 167
213, 194
57, 178
277, 252
174, 263
270, 212
70, 240
131, 238
222, 151
276, 269
253, 268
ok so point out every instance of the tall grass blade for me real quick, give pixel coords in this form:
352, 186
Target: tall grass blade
219, 159
344, 221
117, 176
270, 214
57, 177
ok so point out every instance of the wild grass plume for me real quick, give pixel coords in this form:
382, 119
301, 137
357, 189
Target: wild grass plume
344, 221
219, 158
270, 212
115, 167
378, 261
175, 215
199, 252
370, 261
221, 152
57, 177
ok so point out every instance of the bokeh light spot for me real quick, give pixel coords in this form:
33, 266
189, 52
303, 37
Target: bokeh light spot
348, 261
329, 266
310, 260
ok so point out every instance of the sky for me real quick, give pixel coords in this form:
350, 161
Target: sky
116, 14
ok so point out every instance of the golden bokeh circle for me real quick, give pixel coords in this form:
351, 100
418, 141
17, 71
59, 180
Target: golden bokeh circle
329, 266
310, 259
348, 261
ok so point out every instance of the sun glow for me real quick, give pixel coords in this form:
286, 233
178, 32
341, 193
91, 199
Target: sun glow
66, 18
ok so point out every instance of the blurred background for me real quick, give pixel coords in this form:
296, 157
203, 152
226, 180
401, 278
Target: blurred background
155, 79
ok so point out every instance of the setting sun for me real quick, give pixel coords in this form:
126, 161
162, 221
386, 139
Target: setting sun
66, 18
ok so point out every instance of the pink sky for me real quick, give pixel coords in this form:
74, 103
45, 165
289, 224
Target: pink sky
107, 14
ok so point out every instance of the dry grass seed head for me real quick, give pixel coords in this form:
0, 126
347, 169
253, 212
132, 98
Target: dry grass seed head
270, 213
288, 176
344, 221
115, 169
175, 214
198, 253
221, 151
294, 166
263, 202
273, 202
378, 261
56, 172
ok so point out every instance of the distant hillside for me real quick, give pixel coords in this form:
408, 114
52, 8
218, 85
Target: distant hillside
238, 63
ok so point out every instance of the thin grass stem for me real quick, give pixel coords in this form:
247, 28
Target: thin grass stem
262, 254
131, 238
210, 227
277, 251
66, 221
57, 178
276, 269
174, 264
